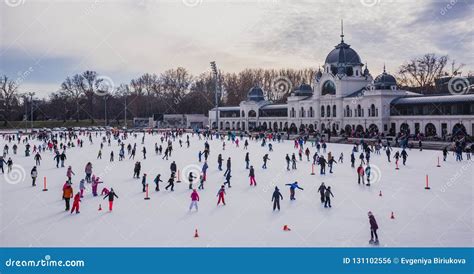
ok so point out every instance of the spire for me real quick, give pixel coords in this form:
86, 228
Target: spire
384, 71
342, 31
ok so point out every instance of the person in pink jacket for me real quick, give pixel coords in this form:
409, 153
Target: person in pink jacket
194, 200
95, 184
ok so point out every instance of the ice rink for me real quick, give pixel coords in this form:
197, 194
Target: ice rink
439, 217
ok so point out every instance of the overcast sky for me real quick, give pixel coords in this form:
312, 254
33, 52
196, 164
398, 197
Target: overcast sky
42, 42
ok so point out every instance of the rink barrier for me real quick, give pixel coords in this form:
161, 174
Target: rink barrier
44, 184
179, 180
146, 193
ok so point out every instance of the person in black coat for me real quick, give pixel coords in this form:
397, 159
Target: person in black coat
111, 196
373, 228
276, 199
327, 196
173, 167
322, 190
228, 165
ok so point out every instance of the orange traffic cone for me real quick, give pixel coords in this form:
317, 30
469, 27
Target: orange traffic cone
286, 228
380, 194
100, 207
392, 216
196, 235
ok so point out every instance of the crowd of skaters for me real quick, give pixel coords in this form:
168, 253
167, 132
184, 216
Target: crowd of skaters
60, 143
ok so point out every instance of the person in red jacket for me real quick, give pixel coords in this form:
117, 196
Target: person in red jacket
221, 194
360, 173
75, 203
194, 200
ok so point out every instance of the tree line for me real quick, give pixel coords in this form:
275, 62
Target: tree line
90, 95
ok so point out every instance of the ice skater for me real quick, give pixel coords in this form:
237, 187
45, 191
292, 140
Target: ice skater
75, 203
322, 190
373, 229
221, 193
276, 197
293, 186
252, 176
111, 195
327, 197
194, 200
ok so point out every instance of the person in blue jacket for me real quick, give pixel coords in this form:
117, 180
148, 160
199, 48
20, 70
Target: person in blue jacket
293, 186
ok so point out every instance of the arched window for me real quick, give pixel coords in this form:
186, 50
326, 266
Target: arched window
359, 111
328, 111
328, 88
292, 112
348, 111
372, 110
334, 114
302, 112
243, 113
311, 112
252, 113
322, 111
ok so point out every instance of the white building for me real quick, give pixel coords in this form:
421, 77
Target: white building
344, 97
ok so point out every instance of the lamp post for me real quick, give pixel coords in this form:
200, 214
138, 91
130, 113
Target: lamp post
31, 94
125, 112
105, 110
214, 70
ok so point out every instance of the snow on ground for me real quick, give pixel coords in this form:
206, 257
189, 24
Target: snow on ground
441, 216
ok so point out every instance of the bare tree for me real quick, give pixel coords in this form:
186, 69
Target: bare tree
72, 89
420, 72
8, 97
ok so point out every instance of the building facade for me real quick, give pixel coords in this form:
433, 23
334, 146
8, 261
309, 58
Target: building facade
345, 98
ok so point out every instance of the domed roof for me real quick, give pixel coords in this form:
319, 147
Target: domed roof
304, 90
343, 54
385, 80
255, 94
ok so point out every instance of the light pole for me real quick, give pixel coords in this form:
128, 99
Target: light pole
125, 112
105, 106
31, 94
214, 70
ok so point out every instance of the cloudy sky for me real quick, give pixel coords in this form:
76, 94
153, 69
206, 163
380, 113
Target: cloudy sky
42, 42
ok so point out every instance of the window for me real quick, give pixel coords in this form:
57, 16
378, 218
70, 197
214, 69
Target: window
292, 112
302, 112
322, 111
328, 111
359, 111
328, 88
334, 111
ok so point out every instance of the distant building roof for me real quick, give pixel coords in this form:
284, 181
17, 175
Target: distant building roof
434, 99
